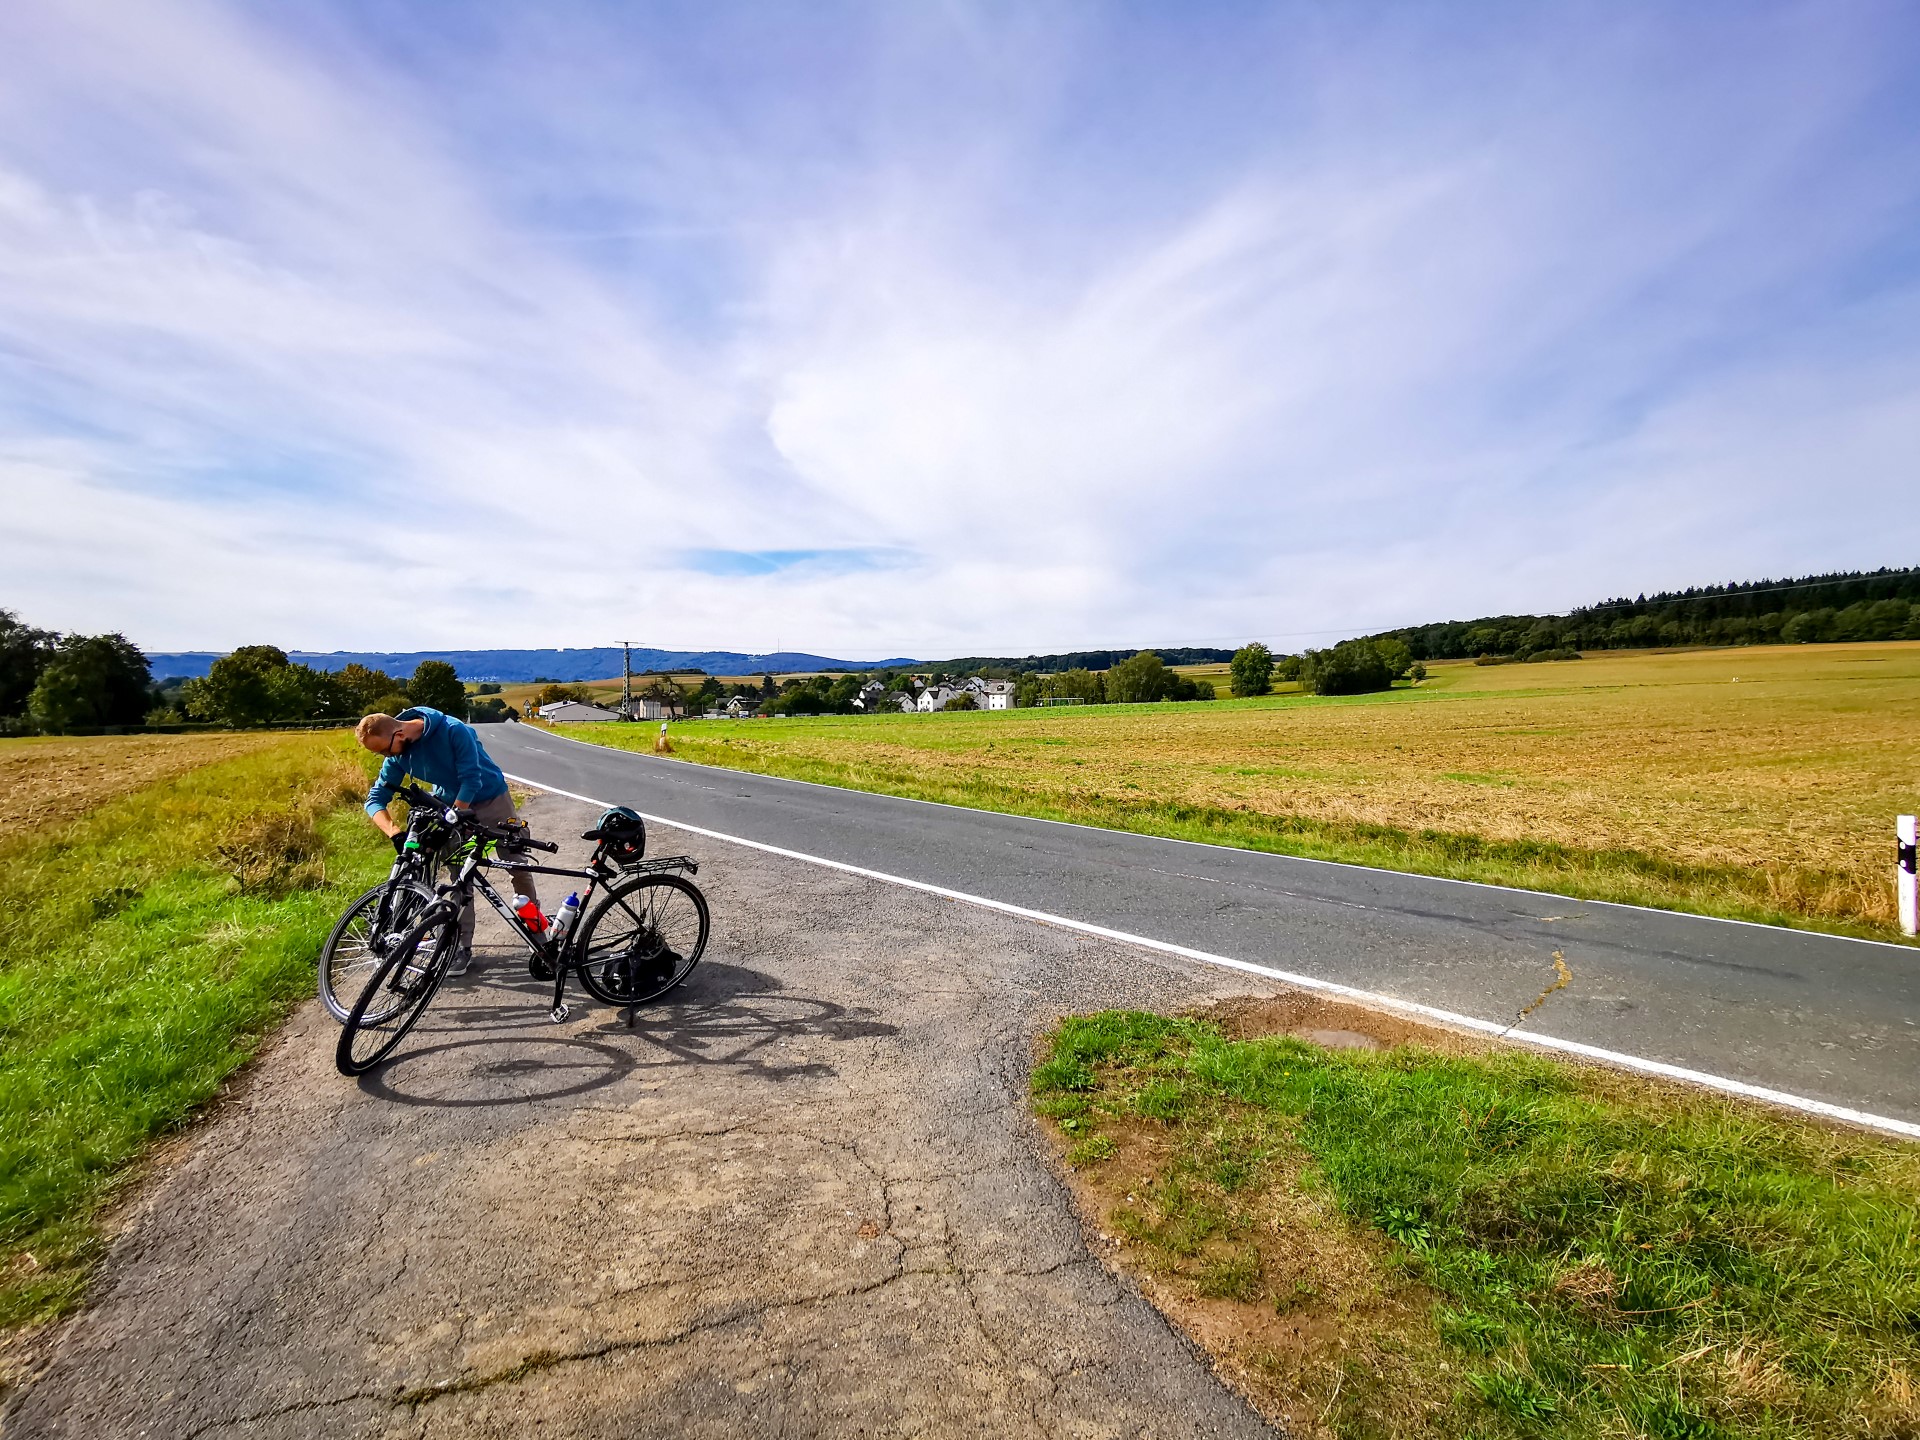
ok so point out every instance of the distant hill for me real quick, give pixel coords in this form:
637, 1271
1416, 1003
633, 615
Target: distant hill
520, 665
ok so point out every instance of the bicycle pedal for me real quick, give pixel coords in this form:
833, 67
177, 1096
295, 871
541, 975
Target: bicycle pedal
558, 1014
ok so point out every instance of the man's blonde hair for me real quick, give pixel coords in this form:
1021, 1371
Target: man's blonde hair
375, 727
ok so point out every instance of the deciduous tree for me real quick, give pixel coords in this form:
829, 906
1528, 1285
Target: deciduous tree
437, 684
1252, 670
1141, 679
91, 680
1353, 667
24, 653
239, 689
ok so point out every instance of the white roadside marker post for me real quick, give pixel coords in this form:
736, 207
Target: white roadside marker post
1907, 882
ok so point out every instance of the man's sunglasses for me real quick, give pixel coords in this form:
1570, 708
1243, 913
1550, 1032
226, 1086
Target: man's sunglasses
398, 744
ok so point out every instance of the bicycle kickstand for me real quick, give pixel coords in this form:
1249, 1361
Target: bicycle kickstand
558, 1014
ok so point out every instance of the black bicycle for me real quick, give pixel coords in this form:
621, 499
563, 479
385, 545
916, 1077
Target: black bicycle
642, 928
368, 928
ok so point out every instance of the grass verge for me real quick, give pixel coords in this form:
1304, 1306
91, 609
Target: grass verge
145, 949
1421, 1243
1800, 897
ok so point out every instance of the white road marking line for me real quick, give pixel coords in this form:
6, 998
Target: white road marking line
1305, 982
1243, 850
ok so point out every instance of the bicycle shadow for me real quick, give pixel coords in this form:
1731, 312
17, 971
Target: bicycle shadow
726, 1015
583, 1066
741, 1018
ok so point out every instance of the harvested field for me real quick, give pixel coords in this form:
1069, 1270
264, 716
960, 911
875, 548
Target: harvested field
61, 778
1758, 782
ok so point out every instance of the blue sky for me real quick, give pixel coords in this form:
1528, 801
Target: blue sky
943, 328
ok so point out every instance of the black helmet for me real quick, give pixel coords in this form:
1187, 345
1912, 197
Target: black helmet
622, 833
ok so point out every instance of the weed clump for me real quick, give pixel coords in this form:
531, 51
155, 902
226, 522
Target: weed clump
274, 854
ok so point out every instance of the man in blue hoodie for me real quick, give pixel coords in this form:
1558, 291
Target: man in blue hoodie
445, 755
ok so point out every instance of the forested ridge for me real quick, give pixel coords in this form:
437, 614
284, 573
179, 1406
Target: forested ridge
1862, 605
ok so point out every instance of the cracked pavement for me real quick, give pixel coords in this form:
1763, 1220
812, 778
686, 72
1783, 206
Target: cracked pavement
802, 1197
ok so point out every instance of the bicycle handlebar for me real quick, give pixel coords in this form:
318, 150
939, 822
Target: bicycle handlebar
419, 798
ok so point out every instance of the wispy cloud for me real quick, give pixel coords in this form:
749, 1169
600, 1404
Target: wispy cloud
907, 330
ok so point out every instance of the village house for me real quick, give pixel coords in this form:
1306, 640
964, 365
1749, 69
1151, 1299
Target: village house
935, 697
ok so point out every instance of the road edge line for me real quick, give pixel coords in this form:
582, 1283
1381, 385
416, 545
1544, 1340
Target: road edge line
1702, 1078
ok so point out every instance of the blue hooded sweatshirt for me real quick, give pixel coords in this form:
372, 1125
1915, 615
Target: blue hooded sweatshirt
447, 758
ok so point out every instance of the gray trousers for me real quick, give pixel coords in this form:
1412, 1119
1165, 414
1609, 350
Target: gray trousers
499, 808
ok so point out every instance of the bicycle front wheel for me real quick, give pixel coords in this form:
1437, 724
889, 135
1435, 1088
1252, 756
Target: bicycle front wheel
396, 997
362, 938
642, 939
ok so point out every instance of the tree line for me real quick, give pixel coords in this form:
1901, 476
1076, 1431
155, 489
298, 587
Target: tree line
1009, 668
55, 684
259, 685
1859, 605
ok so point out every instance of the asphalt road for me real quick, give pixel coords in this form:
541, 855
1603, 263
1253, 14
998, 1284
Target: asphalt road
1827, 1018
803, 1199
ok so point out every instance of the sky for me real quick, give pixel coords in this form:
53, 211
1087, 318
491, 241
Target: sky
943, 328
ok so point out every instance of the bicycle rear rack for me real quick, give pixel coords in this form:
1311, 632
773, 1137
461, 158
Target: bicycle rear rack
662, 866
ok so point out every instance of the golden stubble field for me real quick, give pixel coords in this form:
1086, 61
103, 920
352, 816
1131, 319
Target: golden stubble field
1787, 763
61, 777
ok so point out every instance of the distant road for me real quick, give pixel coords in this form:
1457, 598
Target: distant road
1830, 1019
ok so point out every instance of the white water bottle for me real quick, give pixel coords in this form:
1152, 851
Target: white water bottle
564, 917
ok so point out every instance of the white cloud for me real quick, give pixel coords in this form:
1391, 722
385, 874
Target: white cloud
333, 350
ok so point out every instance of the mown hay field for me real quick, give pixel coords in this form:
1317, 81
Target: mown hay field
59, 777
1758, 782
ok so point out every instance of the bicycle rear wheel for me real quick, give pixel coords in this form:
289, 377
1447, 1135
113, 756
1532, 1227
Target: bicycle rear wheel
397, 995
362, 937
642, 939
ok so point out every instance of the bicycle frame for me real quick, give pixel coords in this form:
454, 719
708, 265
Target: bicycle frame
478, 855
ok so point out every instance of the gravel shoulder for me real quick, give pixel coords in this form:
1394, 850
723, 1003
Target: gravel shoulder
802, 1197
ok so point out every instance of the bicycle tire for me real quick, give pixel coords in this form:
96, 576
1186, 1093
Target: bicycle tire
385, 1028
352, 952
642, 939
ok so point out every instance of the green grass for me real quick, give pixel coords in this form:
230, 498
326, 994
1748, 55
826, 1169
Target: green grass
145, 949
1574, 1253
